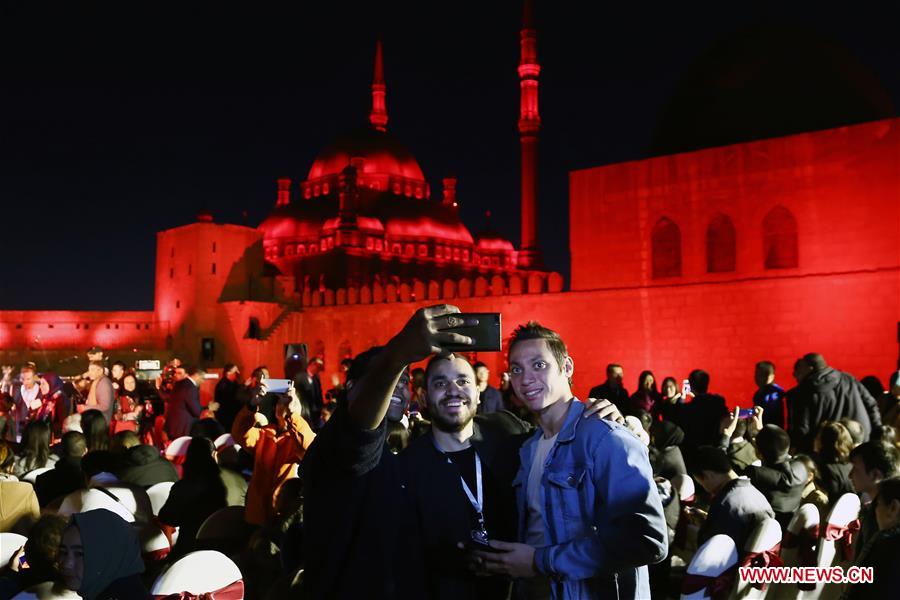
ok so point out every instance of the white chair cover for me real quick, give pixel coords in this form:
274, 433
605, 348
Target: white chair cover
685, 486
715, 557
765, 537
198, 573
32, 475
805, 522
224, 441
9, 544
226, 523
159, 493
85, 500
845, 510
177, 448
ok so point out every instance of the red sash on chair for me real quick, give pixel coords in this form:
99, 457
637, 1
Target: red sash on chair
766, 558
233, 591
842, 536
718, 588
805, 543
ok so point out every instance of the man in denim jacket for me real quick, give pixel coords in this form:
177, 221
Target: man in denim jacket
589, 512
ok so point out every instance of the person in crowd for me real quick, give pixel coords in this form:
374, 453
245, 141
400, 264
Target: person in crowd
489, 398
19, 507
33, 567
56, 407
645, 397
66, 476
226, 396
855, 429
143, 466
595, 534
871, 463
812, 491
780, 478
734, 442
702, 417
612, 389
832, 448
101, 395
100, 557
670, 402
35, 451
769, 395
253, 397
183, 404
891, 401
277, 450
129, 404
208, 428
309, 388
199, 493
121, 442
7, 462
417, 403
736, 506
665, 454
827, 394
96, 430
349, 470
882, 553
117, 374
26, 399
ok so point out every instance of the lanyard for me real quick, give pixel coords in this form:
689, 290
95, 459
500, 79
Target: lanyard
476, 499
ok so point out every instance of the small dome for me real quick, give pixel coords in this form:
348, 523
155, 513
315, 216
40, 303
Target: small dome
383, 154
368, 224
490, 241
291, 222
426, 220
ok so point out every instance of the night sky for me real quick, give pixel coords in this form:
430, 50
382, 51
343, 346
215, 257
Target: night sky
117, 122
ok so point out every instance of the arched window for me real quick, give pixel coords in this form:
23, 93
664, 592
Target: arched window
666, 243
720, 246
779, 229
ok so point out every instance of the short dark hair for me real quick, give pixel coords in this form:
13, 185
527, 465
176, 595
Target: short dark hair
888, 490
439, 357
42, 547
120, 364
532, 330
878, 455
773, 443
835, 442
194, 370
767, 365
479, 364
710, 458
29, 366
699, 380
612, 366
815, 361
74, 444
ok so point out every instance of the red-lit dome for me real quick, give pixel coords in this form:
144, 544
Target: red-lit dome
383, 154
291, 222
489, 241
426, 221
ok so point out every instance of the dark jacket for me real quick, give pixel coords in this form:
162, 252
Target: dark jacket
63, 479
735, 511
834, 479
229, 404
618, 396
182, 408
665, 454
883, 555
143, 466
490, 401
782, 484
444, 510
359, 519
191, 501
829, 395
701, 421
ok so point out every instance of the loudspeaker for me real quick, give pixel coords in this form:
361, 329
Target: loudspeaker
208, 349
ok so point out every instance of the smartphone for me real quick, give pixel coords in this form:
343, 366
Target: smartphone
745, 413
474, 545
486, 336
278, 386
685, 388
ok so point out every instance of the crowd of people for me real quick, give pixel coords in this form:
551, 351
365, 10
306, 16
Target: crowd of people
430, 482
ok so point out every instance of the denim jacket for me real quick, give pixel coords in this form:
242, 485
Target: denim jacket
603, 519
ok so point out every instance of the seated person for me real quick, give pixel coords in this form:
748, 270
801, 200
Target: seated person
143, 466
813, 492
67, 476
871, 463
734, 441
736, 506
882, 553
832, 448
780, 478
35, 562
665, 454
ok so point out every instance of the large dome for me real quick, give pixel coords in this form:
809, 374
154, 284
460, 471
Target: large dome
420, 220
383, 154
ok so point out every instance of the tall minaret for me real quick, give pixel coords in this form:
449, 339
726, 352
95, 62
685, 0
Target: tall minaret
378, 117
529, 126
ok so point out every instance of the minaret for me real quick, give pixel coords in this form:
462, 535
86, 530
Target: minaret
529, 127
378, 117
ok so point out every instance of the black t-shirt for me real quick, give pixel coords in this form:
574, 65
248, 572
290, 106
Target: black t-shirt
360, 540
464, 461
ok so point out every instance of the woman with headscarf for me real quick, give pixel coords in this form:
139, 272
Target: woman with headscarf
665, 455
54, 402
646, 396
100, 557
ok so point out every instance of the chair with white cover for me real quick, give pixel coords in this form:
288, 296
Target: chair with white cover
32, 475
177, 449
224, 441
201, 572
9, 544
762, 549
159, 493
224, 530
84, 500
712, 571
134, 498
798, 549
687, 491
835, 541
